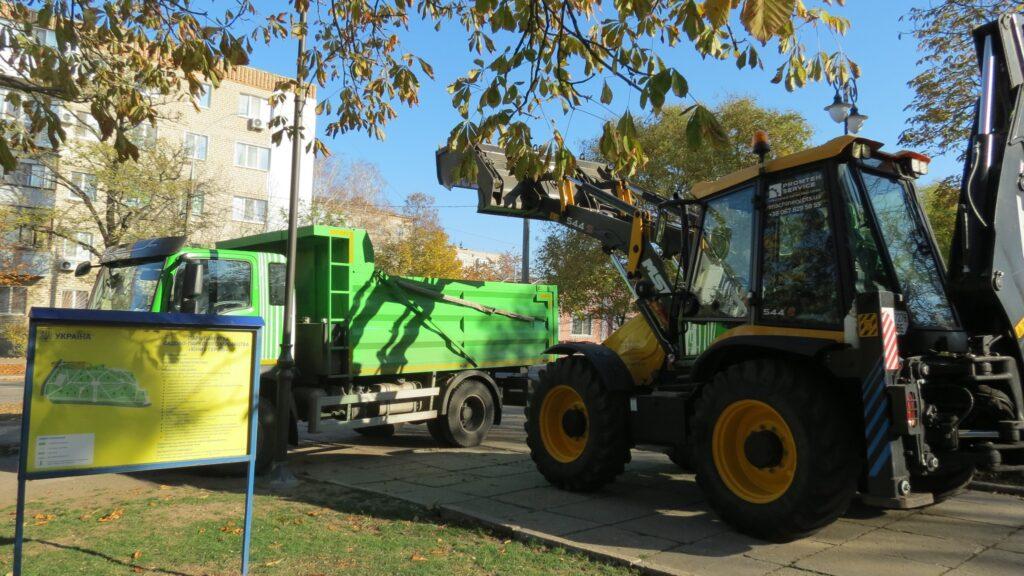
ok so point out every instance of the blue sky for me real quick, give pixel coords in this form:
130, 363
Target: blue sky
406, 156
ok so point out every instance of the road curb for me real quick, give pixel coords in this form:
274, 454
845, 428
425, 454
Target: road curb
996, 488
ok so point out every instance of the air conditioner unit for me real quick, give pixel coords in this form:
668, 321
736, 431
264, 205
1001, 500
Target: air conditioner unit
67, 265
257, 124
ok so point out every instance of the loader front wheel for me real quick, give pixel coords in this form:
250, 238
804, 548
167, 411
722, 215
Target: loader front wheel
774, 449
576, 430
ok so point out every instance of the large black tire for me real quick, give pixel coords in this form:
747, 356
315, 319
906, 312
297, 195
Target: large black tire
681, 456
806, 430
588, 433
945, 484
381, 431
469, 416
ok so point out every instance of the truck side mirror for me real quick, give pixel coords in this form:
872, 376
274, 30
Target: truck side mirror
191, 285
83, 268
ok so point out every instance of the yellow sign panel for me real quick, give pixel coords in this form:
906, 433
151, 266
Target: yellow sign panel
110, 396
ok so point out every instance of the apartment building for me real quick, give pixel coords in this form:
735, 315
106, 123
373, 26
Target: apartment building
227, 141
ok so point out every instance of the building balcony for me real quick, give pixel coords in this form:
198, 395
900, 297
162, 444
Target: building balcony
26, 261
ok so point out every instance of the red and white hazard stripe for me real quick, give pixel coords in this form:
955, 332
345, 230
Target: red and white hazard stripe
890, 348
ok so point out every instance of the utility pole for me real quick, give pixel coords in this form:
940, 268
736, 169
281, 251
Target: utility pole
280, 475
526, 251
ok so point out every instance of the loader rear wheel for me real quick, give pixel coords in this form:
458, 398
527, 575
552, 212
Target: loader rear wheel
773, 451
576, 430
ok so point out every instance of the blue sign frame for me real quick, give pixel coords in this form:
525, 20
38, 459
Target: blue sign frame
138, 319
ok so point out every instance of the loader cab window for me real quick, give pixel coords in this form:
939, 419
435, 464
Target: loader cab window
799, 272
722, 281
227, 287
913, 259
869, 274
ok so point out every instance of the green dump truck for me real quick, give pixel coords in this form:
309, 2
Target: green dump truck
372, 351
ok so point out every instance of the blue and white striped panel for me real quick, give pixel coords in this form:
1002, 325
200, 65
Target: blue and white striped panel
876, 419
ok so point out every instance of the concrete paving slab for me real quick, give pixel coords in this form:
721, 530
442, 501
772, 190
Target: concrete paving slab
915, 547
500, 486
982, 507
544, 497
1014, 543
682, 526
841, 531
952, 528
543, 522
842, 561
701, 560
992, 562
616, 541
607, 511
490, 507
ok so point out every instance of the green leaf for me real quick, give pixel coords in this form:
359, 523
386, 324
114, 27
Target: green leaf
703, 127
606, 94
766, 18
717, 11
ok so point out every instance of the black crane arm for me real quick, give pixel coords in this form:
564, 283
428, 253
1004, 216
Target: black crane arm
986, 271
624, 218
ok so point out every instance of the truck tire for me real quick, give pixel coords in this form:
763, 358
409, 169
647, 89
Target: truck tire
946, 484
681, 456
577, 430
469, 416
381, 431
775, 450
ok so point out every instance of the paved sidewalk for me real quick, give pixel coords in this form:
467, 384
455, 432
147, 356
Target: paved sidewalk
655, 518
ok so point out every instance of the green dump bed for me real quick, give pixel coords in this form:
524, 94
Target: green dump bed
355, 321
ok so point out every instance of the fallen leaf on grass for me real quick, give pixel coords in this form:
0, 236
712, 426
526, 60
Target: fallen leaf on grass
417, 557
314, 513
137, 554
273, 562
165, 487
43, 519
230, 528
113, 516
137, 569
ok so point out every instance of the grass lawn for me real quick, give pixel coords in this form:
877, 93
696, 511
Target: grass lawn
184, 527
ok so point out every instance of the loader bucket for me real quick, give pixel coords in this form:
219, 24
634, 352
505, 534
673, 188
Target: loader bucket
498, 190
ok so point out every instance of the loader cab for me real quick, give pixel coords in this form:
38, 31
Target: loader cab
785, 248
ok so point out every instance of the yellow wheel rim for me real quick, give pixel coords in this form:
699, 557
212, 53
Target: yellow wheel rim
564, 423
754, 451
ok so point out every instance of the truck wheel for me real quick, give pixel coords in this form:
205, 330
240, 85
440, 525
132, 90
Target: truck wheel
381, 431
681, 456
575, 428
469, 417
944, 485
773, 451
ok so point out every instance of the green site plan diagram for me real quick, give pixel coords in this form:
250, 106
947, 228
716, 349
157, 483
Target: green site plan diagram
83, 383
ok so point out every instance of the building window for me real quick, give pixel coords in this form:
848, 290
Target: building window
13, 300
74, 298
28, 236
86, 127
582, 325
83, 183
45, 37
73, 248
33, 175
251, 106
203, 100
249, 210
198, 203
195, 145
144, 135
249, 156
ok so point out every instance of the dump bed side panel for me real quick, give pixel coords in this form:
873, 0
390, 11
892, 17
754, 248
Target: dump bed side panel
410, 325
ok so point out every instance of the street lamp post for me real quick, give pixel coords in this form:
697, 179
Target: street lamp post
280, 475
843, 109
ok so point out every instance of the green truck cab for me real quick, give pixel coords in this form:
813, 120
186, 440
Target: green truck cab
372, 351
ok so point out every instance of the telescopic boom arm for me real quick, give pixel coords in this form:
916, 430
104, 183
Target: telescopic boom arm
624, 218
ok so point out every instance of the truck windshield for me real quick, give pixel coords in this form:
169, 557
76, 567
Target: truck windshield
126, 287
913, 259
